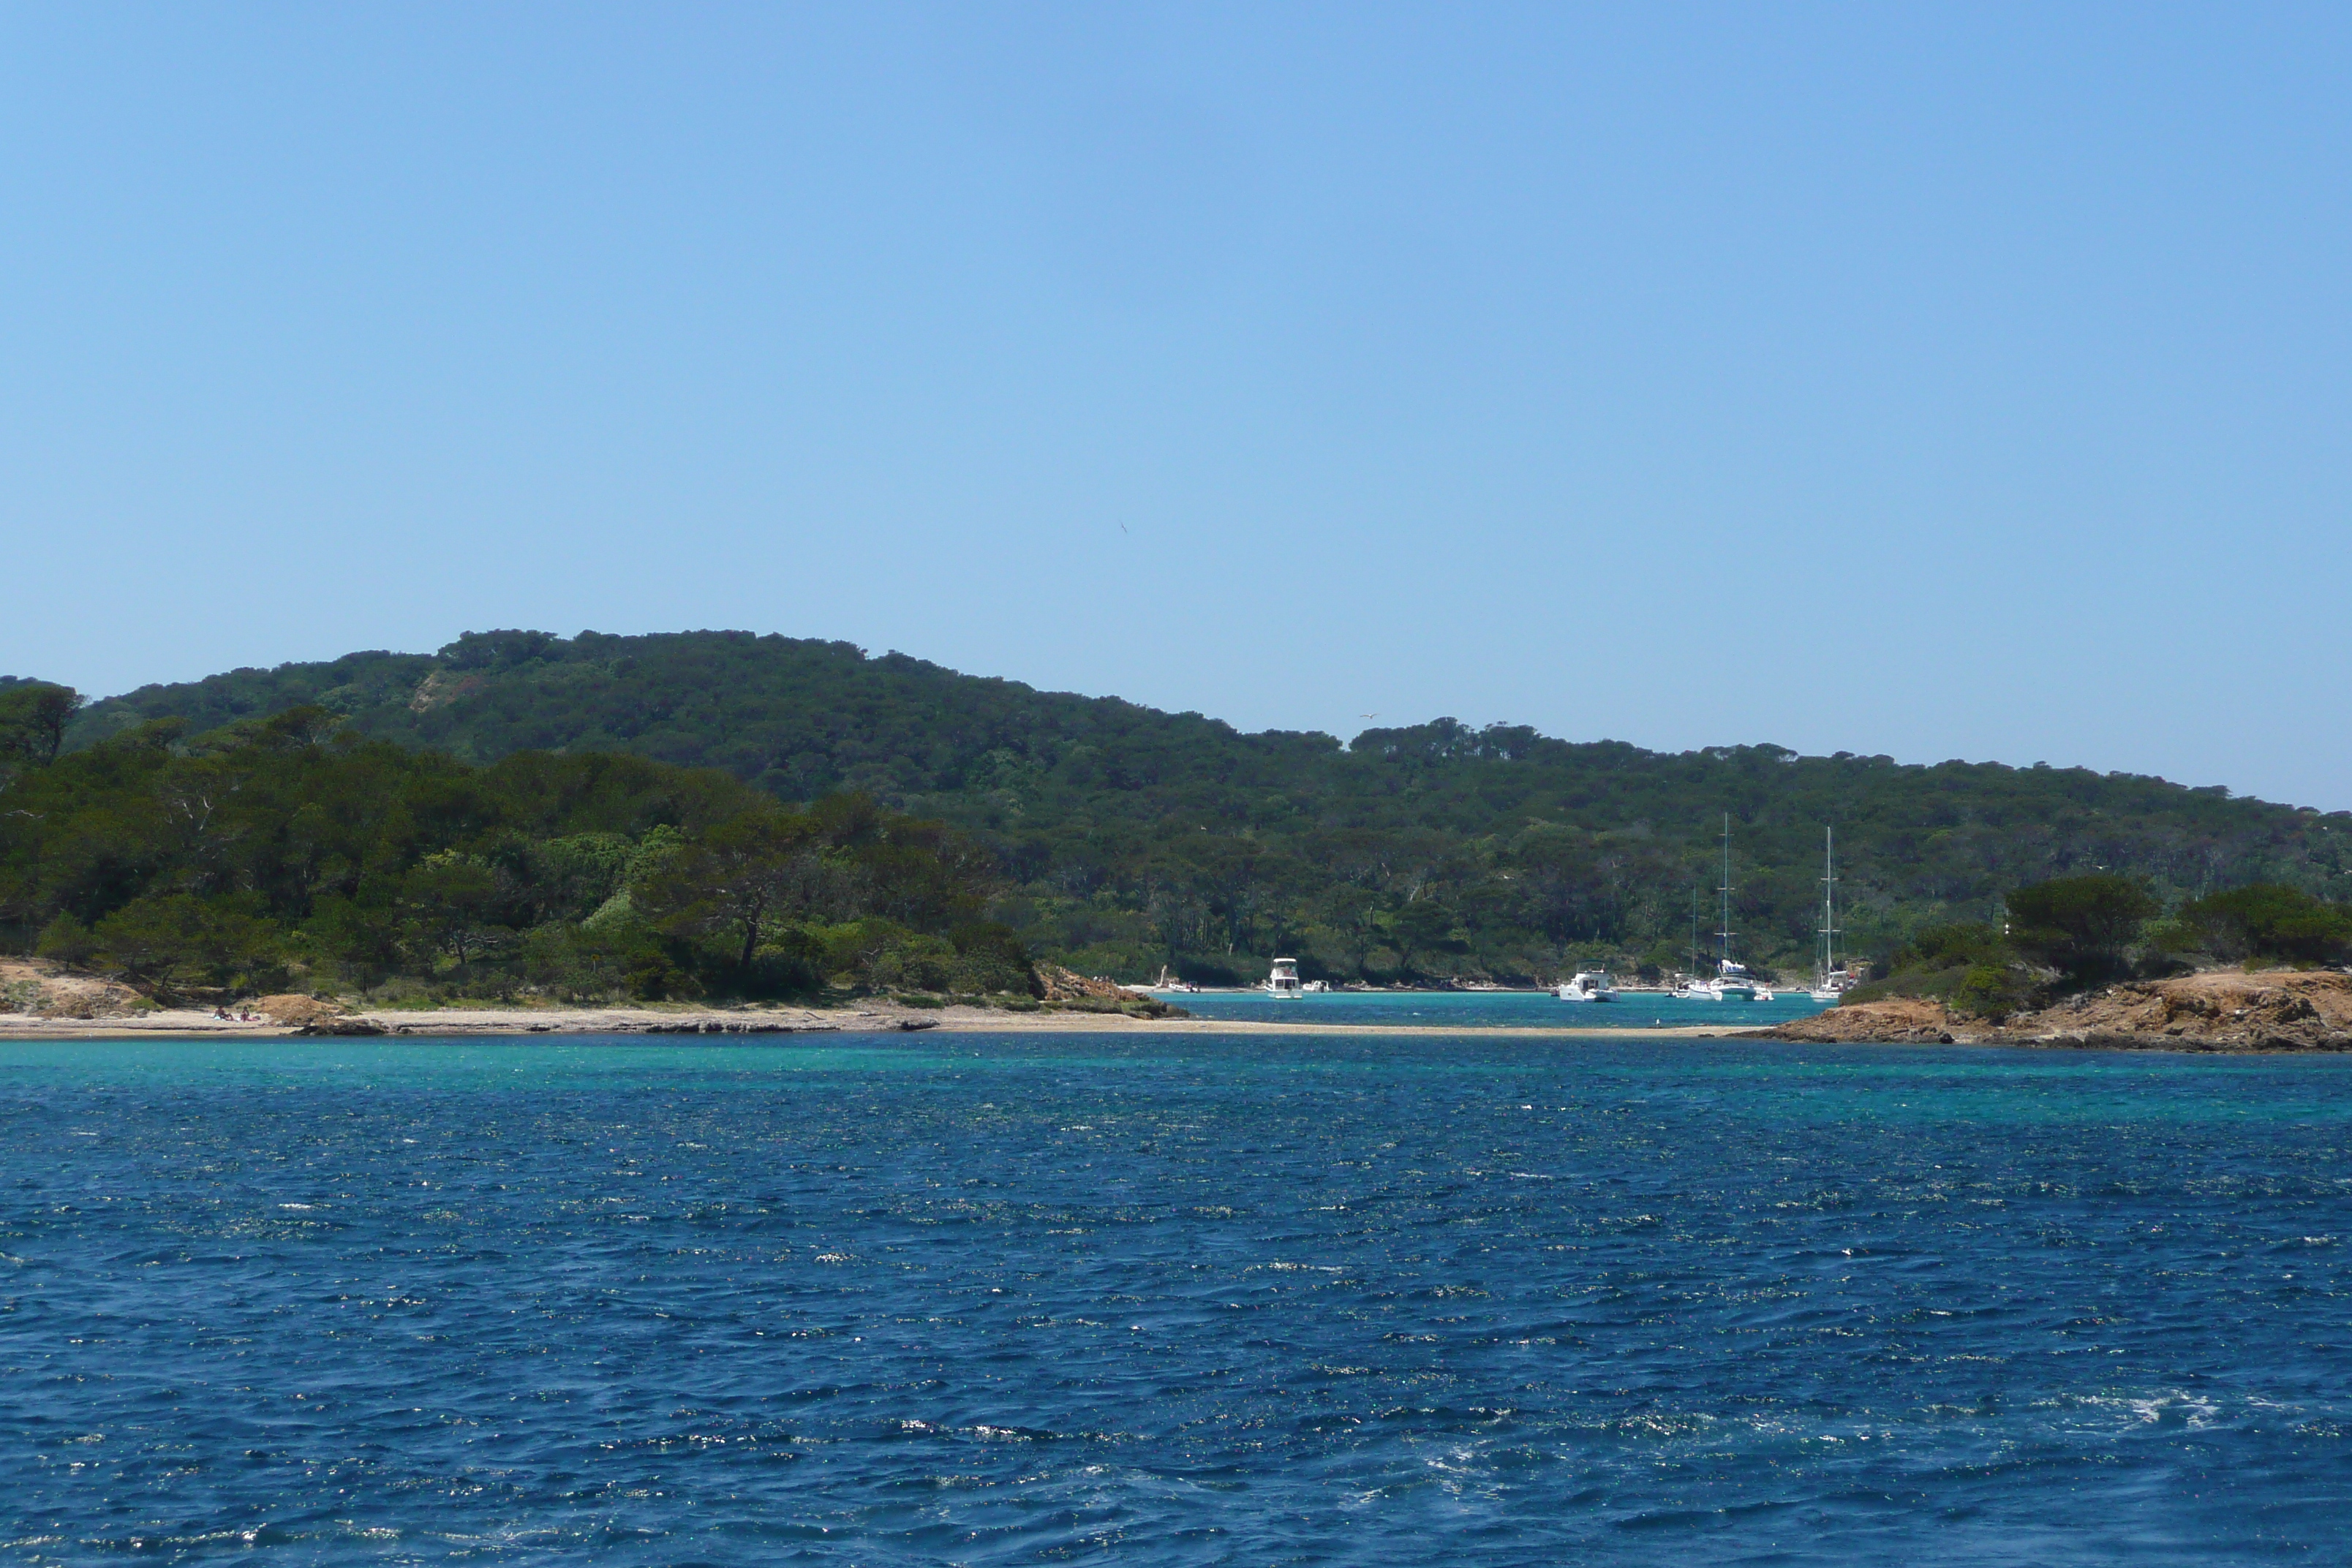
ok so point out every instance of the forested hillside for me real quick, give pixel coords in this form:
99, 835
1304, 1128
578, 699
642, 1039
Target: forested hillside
1127, 837
291, 847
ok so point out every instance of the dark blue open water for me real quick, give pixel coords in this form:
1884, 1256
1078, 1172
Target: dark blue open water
1185, 1299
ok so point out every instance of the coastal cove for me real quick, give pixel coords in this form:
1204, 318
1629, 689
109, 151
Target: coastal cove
1538, 1010
1532, 1014
953, 1298
1172, 786
2232, 1013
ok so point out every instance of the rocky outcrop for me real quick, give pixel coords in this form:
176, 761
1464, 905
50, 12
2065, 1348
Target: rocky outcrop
337, 1026
298, 1010
39, 989
2300, 1010
1068, 988
440, 688
2229, 1010
1909, 1020
1056, 984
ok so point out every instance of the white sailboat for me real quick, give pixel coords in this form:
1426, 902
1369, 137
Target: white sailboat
1831, 980
1732, 982
1694, 989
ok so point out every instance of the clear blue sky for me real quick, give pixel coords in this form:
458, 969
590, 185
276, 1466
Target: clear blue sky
1952, 381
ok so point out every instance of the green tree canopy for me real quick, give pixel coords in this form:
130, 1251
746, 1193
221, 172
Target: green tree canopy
226, 859
743, 881
1131, 838
2267, 920
2079, 925
32, 718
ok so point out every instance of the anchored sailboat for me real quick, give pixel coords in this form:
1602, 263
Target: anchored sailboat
1694, 988
1732, 981
1831, 980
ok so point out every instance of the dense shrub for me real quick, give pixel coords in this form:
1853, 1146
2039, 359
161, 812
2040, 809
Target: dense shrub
232, 859
2081, 926
1132, 839
2267, 920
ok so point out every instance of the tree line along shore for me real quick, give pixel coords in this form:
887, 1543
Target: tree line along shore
714, 817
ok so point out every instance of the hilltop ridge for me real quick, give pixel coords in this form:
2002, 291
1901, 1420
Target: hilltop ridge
1133, 837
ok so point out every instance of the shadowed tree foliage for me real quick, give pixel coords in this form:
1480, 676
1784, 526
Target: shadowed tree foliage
2081, 926
742, 879
1129, 838
32, 718
288, 844
2269, 922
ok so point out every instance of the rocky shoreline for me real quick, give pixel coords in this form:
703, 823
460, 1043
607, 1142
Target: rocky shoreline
2223, 1011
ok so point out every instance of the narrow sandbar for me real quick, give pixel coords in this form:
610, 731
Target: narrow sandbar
866, 1019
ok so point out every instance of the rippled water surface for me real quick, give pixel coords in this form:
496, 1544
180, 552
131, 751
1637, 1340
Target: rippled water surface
1181, 1299
1488, 1009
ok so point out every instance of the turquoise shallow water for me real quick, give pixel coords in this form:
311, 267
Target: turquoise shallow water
1487, 1009
1192, 1299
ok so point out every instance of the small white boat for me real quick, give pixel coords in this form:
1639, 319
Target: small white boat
1588, 985
1284, 981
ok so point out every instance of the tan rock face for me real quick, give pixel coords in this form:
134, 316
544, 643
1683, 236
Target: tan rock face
2277, 1010
1068, 985
1909, 1020
1072, 989
42, 990
437, 688
299, 1010
2300, 1010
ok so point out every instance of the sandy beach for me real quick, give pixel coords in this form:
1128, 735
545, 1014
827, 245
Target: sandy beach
871, 1017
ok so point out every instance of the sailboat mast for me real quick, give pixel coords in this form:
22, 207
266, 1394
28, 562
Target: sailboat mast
1829, 903
1725, 889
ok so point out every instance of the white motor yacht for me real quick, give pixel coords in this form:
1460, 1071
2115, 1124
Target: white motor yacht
1587, 985
1284, 981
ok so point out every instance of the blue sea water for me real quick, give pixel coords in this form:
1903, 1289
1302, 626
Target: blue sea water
1198, 1298
1488, 1009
